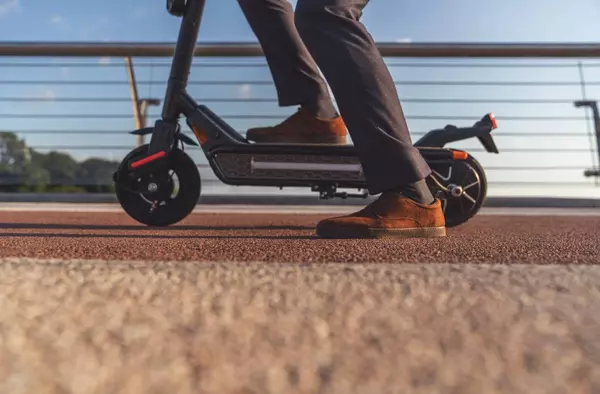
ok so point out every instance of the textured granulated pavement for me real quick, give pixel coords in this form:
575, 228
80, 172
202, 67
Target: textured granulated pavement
293, 315
188, 327
290, 238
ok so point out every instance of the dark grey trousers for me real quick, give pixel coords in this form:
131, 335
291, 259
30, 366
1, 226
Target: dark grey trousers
328, 35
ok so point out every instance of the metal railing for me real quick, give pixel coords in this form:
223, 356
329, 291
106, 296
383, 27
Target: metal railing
236, 49
82, 106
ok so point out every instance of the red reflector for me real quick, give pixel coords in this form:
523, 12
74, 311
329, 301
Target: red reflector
494, 122
148, 159
459, 155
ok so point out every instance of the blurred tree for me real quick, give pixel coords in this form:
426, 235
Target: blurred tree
34, 178
16, 167
61, 167
13, 151
97, 174
23, 169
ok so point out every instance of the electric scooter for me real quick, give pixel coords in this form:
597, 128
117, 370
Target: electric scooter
158, 184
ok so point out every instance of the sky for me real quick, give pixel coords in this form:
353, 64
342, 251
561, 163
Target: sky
387, 21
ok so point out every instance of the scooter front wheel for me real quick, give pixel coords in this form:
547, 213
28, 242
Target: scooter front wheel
160, 199
462, 187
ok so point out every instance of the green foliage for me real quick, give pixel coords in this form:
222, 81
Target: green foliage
13, 152
98, 174
61, 167
22, 169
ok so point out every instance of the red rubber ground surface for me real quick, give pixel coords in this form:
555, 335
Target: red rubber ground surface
186, 327
290, 238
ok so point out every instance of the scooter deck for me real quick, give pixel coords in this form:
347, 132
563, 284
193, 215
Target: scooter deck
288, 165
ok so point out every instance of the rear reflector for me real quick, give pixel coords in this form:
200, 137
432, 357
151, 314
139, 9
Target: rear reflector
494, 122
459, 155
148, 159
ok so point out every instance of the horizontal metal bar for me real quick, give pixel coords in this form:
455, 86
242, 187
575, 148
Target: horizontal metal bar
124, 147
435, 117
65, 116
492, 65
242, 132
267, 116
270, 83
56, 183
264, 64
238, 49
405, 83
274, 100
486, 101
123, 99
550, 183
536, 168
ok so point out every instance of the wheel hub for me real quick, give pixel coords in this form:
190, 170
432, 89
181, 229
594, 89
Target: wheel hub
455, 190
152, 187
461, 189
155, 190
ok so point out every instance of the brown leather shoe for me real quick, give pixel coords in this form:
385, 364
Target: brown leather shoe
391, 215
302, 128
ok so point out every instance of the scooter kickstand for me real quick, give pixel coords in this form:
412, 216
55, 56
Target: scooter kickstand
328, 192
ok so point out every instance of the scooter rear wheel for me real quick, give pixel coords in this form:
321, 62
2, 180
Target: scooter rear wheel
167, 198
462, 187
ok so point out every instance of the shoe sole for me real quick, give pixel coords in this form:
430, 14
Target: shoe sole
417, 232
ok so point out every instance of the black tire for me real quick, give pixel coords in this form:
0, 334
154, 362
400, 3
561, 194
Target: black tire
170, 209
470, 176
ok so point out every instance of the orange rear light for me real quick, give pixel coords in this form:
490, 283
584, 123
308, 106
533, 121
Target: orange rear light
202, 137
494, 122
459, 155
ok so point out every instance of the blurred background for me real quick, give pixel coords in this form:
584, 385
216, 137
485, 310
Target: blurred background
64, 121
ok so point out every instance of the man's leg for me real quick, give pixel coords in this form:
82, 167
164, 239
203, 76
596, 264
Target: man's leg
368, 101
296, 77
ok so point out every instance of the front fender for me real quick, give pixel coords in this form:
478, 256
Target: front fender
144, 131
179, 136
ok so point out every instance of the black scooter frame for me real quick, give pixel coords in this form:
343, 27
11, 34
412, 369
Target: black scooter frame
230, 155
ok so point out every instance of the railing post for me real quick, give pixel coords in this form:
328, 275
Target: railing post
134, 100
144, 104
594, 106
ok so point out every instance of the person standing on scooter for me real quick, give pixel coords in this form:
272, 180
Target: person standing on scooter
328, 35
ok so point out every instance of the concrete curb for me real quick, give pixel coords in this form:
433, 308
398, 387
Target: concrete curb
310, 200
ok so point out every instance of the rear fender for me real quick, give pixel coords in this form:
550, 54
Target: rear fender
482, 129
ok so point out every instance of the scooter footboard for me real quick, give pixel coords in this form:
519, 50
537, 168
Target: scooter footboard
306, 169
303, 168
